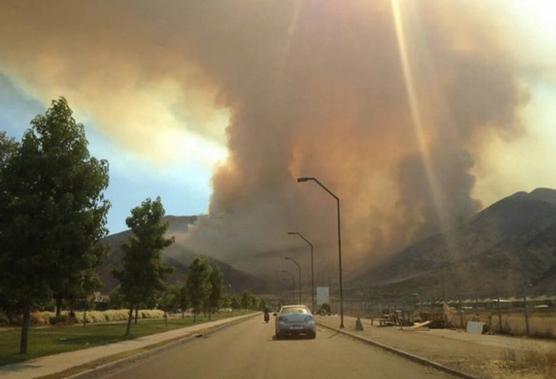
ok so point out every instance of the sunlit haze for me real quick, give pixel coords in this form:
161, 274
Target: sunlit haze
172, 103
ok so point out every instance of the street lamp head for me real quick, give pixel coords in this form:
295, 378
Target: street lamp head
303, 179
287, 258
292, 233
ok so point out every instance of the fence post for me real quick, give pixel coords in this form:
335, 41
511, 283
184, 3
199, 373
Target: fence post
526, 311
460, 314
499, 316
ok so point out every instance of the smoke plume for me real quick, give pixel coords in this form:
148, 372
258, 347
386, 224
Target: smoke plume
309, 88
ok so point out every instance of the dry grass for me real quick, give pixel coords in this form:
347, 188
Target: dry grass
118, 315
539, 362
46, 318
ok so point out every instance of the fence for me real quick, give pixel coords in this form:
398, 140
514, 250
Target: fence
528, 316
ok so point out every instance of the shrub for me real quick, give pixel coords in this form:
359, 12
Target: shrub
45, 318
543, 362
64, 319
4, 320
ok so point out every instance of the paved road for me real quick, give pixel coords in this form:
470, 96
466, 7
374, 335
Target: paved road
248, 350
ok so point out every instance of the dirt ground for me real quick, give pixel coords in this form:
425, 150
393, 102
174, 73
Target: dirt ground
487, 356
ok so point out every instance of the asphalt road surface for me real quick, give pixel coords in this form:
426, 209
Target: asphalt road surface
248, 350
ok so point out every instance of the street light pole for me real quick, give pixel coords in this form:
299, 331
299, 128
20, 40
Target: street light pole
299, 272
293, 282
306, 179
313, 306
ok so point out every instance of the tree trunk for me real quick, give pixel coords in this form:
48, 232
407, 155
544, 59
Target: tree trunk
130, 317
182, 314
58, 307
210, 314
136, 314
85, 316
25, 329
194, 316
72, 310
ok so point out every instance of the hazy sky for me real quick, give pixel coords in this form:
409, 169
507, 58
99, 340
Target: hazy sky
184, 184
163, 130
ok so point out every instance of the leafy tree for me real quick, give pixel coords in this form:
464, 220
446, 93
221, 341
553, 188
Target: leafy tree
166, 300
7, 148
88, 284
76, 183
116, 299
53, 212
236, 302
247, 300
173, 299
25, 221
198, 285
143, 274
226, 302
182, 299
216, 280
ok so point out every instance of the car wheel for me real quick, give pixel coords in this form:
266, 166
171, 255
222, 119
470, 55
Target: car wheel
312, 335
278, 335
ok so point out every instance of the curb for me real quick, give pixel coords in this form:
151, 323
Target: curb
405, 354
99, 369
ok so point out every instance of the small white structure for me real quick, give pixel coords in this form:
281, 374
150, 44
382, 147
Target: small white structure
323, 295
475, 327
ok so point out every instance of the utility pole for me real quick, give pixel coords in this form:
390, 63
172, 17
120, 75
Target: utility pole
313, 306
299, 280
306, 179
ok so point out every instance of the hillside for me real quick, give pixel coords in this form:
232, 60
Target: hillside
502, 249
235, 280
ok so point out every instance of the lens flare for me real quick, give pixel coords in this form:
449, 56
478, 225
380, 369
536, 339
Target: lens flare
416, 118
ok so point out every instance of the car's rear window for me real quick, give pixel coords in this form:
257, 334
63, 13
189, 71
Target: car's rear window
291, 310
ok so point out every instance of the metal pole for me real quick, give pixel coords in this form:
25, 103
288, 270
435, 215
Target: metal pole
293, 283
313, 305
340, 266
305, 179
299, 272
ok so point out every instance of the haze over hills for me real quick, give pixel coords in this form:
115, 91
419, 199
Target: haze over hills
501, 250
235, 280
506, 249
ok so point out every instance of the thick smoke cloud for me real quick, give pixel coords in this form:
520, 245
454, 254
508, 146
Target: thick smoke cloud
310, 88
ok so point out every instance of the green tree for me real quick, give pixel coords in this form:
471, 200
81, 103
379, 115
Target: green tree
236, 302
85, 292
226, 302
8, 146
247, 300
216, 280
116, 299
74, 183
53, 212
182, 299
143, 274
198, 285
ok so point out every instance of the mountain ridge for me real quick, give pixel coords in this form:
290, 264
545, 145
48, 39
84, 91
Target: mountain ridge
506, 246
235, 280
